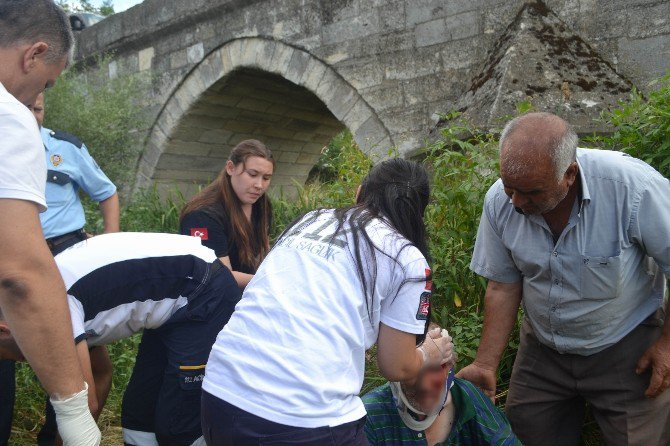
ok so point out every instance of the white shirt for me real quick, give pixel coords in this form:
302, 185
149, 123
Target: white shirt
294, 350
121, 283
23, 170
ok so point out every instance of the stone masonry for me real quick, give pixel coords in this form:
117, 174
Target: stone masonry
293, 73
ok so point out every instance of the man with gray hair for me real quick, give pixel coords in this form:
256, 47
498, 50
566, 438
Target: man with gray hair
35, 45
584, 237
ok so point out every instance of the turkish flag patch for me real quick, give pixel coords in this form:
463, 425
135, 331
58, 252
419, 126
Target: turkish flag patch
200, 232
424, 306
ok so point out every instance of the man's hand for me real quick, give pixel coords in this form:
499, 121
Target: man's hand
658, 358
501, 304
482, 377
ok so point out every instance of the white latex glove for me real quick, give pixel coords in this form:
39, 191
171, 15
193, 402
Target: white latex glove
437, 349
76, 425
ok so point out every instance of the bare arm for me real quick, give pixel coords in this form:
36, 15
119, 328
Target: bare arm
102, 368
85, 363
110, 213
32, 298
501, 305
397, 356
242, 279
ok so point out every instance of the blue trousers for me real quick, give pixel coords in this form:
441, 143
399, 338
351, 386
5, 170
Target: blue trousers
163, 395
226, 425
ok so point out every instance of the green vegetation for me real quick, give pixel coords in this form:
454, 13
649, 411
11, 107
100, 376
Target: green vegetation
106, 9
103, 113
463, 164
642, 126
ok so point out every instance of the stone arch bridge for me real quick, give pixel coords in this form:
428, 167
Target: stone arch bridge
294, 73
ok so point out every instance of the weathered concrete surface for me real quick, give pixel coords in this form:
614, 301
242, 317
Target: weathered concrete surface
381, 68
540, 60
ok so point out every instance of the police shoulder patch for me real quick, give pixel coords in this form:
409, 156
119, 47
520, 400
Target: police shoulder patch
67, 137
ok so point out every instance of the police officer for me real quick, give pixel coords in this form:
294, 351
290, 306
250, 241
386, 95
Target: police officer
70, 168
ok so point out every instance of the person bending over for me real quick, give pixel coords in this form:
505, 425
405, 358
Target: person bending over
71, 169
117, 285
434, 409
580, 238
290, 361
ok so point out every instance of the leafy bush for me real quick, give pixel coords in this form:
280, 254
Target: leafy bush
464, 164
642, 126
342, 169
149, 213
336, 159
103, 113
463, 168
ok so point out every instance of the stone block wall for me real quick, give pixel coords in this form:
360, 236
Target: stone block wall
389, 64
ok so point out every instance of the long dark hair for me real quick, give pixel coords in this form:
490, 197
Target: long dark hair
395, 191
251, 238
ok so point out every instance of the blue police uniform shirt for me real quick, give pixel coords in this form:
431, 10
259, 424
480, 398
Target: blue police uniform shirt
70, 167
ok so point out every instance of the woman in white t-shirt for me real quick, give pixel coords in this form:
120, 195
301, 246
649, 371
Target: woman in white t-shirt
288, 367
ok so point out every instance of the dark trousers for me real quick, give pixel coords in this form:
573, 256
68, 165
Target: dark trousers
7, 390
549, 391
163, 395
226, 425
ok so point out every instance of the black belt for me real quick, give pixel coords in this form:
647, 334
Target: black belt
62, 242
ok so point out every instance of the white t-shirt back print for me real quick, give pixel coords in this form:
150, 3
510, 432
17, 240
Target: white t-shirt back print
294, 350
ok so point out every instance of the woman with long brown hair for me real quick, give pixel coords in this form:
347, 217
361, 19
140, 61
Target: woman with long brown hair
232, 215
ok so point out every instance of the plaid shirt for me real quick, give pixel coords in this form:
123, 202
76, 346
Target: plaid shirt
477, 420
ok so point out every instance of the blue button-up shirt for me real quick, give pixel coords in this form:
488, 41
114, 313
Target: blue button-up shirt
605, 275
69, 168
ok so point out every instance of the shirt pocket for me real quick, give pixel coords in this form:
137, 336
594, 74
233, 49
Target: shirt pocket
600, 277
58, 188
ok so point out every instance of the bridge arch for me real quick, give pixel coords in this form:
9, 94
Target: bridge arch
261, 88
